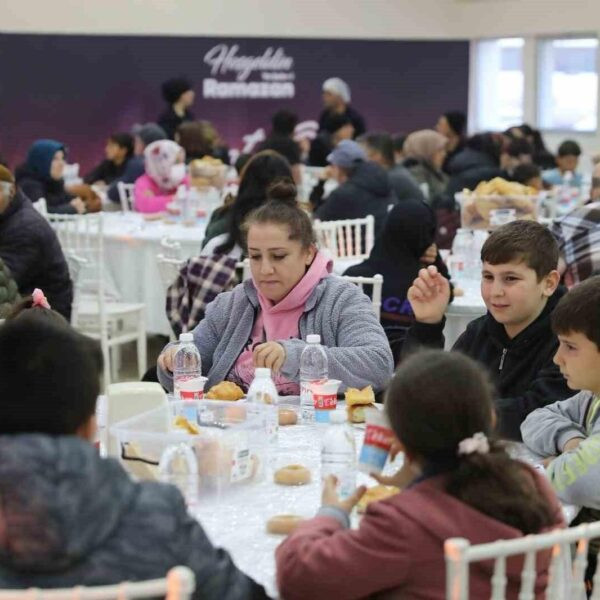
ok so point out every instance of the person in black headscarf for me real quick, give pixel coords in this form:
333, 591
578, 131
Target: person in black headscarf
179, 95
404, 246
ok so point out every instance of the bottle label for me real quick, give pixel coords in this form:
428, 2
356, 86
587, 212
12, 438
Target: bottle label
376, 447
240, 465
191, 395
325, 401
380, 437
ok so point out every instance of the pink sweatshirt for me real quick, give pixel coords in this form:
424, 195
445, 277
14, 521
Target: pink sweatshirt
398, 551
149, 197
280, 322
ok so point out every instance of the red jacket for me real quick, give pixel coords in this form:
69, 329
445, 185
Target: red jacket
398, 551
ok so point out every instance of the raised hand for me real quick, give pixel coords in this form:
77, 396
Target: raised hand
429, 295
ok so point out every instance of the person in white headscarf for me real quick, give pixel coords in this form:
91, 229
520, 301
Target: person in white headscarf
336, 101
165, 171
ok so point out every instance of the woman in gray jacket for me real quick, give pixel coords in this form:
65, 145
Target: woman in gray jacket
265, 320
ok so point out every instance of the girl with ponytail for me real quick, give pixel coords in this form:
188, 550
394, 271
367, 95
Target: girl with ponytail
456, 481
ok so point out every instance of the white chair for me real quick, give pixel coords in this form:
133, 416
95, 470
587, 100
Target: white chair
564, 581
126, 196
125, 400
377, 282
244, 265
41, 206
348, 238
170, 248
179, 584
112, 323
168, 269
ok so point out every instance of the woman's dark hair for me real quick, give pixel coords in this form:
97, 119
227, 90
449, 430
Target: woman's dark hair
197, 138
262, 170
49, 375
284, 122
124, 140
487, 143
25, 306
282, 208
437, 399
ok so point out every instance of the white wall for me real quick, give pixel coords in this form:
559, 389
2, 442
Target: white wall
260, 18
507, 18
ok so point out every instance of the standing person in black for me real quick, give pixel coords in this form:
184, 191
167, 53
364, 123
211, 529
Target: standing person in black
30, 249
452, 126
336, 100
281, 139
118, 152
337, 128
179, 95
514, 340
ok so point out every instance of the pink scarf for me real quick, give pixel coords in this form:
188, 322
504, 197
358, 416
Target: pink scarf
280, 322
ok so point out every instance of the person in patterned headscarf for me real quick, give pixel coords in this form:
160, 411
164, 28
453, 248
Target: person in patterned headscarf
165, 171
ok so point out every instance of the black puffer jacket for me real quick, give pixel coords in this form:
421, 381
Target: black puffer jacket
69, 517
367, 192
9, 292
35, 187
521, 368
468, 168
31, 250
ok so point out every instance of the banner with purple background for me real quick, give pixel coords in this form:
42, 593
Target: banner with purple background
79, 89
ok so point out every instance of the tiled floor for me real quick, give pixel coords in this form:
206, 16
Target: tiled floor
129, 370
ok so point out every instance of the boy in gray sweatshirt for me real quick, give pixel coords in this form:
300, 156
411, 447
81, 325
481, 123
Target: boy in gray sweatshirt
567, 433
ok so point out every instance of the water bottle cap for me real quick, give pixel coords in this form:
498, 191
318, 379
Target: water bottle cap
313, 338
337, 417
186, 337
262, 372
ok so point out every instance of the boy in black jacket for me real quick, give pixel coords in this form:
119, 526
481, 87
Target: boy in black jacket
514, 340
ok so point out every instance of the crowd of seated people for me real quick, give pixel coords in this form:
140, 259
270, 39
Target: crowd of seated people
524, 372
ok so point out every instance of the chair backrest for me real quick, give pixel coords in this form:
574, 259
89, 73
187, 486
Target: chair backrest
347, 238
125, 400
563, 583
179, 584
244, 265
170, 248
125, 195
377, 284
168, 268
82, 241
41, 206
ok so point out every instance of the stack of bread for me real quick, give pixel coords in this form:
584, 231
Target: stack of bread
357, 401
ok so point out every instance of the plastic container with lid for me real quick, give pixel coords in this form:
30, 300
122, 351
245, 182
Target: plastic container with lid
227, 443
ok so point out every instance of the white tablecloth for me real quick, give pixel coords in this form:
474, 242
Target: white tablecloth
130, 247
237, 521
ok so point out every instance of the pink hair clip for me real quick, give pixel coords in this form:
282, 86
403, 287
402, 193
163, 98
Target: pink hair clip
39, 299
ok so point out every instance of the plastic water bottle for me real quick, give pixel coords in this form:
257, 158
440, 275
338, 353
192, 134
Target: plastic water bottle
187, 363
188, 212
462, 255
314, 367
338, 454
262, 390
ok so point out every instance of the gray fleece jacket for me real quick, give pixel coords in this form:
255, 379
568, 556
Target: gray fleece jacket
355, 343
575, 475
